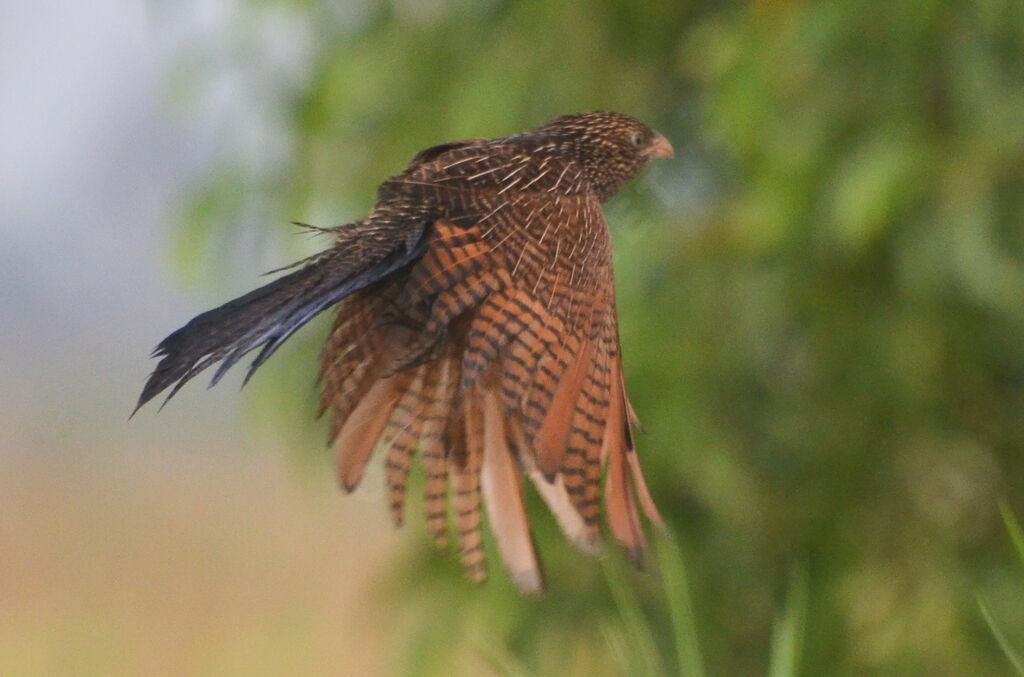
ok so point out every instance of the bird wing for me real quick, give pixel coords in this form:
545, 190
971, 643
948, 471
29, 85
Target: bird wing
497, 354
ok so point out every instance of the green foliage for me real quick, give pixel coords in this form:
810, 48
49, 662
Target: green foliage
821, 307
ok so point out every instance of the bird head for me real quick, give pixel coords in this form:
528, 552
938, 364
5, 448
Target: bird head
611, 147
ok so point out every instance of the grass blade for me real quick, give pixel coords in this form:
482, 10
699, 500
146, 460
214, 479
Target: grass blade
1004, 644
680, 606
499, 659
1013, 528
789, 631
637, 630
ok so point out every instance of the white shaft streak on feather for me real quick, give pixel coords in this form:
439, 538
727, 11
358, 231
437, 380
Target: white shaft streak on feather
554, 286
510, 185
486, 172
554, 259
522, 250
536, 283
536, 178
547, 225
471, 158
490, 214
515, 171
558, 222
588, 227
477, 160
572, 300
432, 184
558, 181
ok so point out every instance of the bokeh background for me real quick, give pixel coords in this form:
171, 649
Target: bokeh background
821, 300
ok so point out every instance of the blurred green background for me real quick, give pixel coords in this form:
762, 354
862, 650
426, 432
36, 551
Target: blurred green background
821, 301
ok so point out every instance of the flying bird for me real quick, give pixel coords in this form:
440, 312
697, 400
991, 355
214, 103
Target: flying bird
476, 325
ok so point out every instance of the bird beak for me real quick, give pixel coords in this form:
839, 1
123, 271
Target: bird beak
659, 148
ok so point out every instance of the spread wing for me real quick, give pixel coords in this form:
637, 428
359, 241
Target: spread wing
496, 355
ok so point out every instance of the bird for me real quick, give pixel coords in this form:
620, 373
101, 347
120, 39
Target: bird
475, 328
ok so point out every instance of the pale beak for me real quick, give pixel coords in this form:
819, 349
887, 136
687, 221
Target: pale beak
659, 147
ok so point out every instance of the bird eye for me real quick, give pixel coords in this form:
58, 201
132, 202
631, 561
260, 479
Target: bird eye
637, 139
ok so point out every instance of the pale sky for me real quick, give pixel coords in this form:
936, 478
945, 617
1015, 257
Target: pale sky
94, 159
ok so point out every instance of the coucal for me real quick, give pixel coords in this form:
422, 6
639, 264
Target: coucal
476, 324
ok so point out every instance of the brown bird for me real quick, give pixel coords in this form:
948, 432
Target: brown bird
476, 323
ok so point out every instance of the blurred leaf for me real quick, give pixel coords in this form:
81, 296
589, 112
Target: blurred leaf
872, 185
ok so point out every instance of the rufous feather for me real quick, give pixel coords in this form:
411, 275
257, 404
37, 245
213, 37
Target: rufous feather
550, 441
503, 497
465, 475
438, 390
401, 437
359, 435
557, 499
622, 517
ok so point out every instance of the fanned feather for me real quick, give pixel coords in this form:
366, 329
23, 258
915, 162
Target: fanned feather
401, 436
465, 474
503, 496
622, 517
557, 499
362, 429
553, 435
438, 392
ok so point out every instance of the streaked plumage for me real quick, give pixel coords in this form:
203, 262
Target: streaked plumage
476, 325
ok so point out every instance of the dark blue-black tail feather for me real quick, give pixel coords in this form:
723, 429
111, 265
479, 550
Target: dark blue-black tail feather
265, 317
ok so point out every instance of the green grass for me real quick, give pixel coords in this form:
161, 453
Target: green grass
790, 627
631, 640
1017, 538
